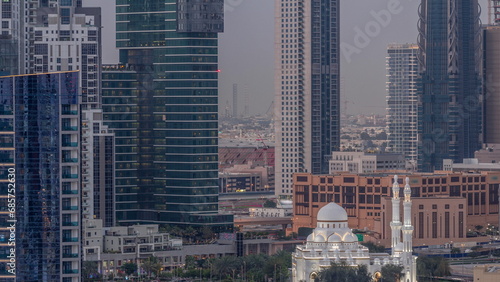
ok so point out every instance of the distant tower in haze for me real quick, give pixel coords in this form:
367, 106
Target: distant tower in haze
491, 79
235, 100
246, 93
449, 83
402, 70
307, 88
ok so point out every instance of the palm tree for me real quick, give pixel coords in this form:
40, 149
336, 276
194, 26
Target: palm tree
152, 266
345, 273
392, 273
90, 270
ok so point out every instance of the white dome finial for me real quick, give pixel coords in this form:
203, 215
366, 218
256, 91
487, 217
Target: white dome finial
396, 179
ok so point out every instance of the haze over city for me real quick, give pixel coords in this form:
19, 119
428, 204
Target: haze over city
246, 49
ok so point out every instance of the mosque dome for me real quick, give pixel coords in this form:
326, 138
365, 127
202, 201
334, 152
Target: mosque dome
334, 238
319, 239
349, 237
332, 212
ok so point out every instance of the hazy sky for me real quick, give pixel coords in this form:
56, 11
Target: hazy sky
247, 49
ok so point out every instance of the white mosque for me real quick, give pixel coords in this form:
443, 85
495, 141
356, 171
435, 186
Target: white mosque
333, 241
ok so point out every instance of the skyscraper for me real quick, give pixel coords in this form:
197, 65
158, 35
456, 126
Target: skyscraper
307, 88
491, 77
162, 105
402, 70
98, 173
10, 37
40, 36
449, 86
41, 122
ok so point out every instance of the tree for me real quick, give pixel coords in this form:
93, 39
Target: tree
190, 233
152, 266
90, 270
129, 268
381, 136
455, 251
345, 273
226, 266
269, 204
365, 136
207, 233
392, 273
479, 227
432, 266
374, 248
190, 262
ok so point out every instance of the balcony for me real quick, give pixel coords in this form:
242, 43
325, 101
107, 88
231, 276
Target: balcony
70, 255
70, 144
70, 208
70, 192
70, 160
70, 176
70, 239
69, 112
70, 271
70, 223
69, 128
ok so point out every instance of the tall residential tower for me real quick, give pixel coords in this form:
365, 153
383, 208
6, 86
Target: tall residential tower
307, 88
449, 84
402, 69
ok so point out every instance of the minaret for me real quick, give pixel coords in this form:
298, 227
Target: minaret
395, 223
407, 256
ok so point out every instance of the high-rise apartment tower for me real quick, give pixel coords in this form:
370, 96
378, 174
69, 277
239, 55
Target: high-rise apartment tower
402, 70
449, 84
307, 88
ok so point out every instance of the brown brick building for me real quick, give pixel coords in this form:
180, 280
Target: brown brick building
362, 196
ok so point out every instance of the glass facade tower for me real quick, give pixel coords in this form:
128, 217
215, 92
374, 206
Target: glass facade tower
449, 83
162, 105
40, 120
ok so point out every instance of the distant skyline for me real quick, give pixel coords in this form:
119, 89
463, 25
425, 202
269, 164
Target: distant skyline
247, 50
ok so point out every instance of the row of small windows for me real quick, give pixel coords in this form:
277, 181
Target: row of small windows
66, 32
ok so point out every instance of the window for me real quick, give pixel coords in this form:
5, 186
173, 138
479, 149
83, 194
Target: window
65, 16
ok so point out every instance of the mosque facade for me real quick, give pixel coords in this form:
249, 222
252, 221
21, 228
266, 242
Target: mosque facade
333, 242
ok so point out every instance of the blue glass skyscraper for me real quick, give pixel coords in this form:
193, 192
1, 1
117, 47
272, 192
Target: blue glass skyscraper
449, 83
40, 120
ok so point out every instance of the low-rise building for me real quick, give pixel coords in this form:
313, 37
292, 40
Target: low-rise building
269, 212
487, 273
361, 195
470, 165
360, 162
115, 246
